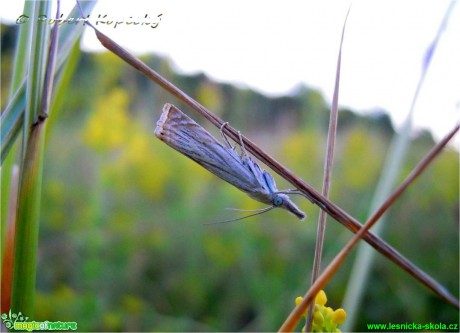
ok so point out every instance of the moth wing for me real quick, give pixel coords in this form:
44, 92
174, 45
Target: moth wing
189, 138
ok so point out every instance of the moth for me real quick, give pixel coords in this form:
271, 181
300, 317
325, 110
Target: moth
189, 138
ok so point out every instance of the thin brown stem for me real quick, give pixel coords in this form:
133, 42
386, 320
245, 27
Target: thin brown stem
331, 136
296, 315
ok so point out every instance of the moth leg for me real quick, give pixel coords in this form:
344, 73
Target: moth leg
243, 149
228, 142
224, 137
295, 191
291, 191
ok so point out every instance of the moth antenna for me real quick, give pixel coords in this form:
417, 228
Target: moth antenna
248, 210
260, 211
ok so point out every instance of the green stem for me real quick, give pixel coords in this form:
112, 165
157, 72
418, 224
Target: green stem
26, 242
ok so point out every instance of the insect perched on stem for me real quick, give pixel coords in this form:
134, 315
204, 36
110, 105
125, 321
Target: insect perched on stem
187, 137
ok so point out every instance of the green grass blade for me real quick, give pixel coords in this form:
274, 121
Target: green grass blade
70, 33
68, 37
22, 49
36, 69
61, 85
19, 71
37, 100
11, 121
26, 239
27, 223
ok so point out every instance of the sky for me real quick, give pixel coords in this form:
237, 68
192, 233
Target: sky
274, 47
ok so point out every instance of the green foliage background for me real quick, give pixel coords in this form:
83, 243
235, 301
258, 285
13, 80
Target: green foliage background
122, 241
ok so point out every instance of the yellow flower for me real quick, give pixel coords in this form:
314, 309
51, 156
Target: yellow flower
339, 316
325, 319
321, 298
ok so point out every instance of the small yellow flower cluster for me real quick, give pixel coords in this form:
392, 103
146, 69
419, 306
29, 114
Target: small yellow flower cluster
325, 319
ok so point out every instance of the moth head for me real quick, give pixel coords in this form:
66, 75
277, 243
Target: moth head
283, 201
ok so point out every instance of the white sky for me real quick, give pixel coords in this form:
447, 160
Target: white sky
275, 46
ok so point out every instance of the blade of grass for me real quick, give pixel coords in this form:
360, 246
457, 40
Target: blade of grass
22, 49
296, 315
29, 197
62, 84
68, 38
365, 257
328, 163
12, 120
333, 210
50, 68
8, 244
36, 69
70, 34
19, 67
26, 240
38, 91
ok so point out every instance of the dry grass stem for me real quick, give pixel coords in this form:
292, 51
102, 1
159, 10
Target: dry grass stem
296, 315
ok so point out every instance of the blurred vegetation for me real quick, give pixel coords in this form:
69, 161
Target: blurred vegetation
122, 241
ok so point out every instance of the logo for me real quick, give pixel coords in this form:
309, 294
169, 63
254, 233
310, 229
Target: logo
19, 322
10, 319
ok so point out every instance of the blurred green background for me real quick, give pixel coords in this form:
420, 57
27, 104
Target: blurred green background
122, 240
